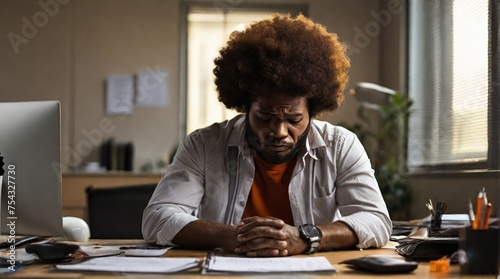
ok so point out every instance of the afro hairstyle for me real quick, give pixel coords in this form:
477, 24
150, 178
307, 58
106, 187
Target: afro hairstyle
285, 56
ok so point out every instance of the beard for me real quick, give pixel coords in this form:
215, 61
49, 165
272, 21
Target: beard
274, 157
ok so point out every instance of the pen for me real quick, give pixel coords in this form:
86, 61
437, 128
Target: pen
444, 206
441, 207
471, 213
479, 207
430, 206
487, 216
431, 210
438, 210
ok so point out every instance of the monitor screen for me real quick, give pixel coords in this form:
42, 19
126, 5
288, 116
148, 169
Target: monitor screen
30, 201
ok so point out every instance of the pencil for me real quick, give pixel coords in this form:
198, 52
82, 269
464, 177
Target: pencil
483, 210
471, 213
479, 207
487, 216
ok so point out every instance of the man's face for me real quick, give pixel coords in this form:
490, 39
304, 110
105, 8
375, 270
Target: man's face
277, 127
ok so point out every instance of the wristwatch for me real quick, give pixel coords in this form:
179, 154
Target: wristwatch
312, 235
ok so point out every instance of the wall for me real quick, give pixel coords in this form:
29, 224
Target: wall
73, 47
37, 65
348, 19
371, 30
453, 188
122, 37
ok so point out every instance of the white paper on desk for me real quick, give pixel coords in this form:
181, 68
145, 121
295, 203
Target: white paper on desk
133, 264
282, 264
134, 250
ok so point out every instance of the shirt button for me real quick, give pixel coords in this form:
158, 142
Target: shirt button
242, 203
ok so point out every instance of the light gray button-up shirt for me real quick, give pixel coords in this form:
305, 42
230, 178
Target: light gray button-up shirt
332, 180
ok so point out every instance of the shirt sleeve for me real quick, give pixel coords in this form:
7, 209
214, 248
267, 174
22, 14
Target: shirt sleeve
358, 195
177, 195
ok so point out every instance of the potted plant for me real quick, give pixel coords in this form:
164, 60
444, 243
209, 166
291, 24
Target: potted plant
387, 157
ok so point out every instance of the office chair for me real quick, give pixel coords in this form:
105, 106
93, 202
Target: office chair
116, 213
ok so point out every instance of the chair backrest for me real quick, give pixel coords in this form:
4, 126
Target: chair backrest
116, 213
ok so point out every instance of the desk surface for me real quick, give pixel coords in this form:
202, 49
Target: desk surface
48, 270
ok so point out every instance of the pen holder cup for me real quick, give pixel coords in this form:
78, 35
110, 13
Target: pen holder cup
435, 224
479, 250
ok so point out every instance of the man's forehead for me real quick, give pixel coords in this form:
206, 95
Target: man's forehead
288, 105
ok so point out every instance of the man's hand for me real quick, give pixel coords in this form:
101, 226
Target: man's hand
261, 237
268, 236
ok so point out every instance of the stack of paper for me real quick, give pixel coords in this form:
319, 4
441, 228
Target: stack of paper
217, 264
213, 264
133, 264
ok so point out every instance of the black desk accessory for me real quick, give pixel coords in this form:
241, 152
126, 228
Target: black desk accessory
381, 264
52, 251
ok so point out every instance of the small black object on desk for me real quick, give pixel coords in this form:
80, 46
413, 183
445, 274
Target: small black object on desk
381, 264
52, 251
437, 215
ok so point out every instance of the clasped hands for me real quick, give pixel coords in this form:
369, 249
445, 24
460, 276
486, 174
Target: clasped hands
267, 237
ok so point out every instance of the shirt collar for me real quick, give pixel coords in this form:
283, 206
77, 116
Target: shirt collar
314, 141
237, 135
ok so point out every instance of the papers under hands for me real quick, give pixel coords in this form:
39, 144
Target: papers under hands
225, 264
133, 264
213, 264
129, 261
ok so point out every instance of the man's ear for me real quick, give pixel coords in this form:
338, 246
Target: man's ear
311, 109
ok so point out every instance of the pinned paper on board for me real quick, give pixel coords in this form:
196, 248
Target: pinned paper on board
152, 88
119, 95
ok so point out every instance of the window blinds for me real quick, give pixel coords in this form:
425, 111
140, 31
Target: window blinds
448, 79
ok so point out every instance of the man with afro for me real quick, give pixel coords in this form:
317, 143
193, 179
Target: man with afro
273, 181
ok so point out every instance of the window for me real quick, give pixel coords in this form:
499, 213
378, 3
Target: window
450, 66
206, 29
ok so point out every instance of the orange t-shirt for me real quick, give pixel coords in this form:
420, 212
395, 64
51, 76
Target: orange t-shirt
269, 193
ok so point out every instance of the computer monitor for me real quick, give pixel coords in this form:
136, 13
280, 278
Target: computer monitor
30, 202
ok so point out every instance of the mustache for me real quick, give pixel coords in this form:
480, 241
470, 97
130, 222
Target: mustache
278, 142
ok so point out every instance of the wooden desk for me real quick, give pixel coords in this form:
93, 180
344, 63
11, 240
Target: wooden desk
48, 270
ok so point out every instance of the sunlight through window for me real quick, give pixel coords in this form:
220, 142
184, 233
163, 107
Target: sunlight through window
207, 34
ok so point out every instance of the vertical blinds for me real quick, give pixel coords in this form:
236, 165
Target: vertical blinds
448, 80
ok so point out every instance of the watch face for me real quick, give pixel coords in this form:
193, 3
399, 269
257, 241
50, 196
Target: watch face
312, 235
311, 231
